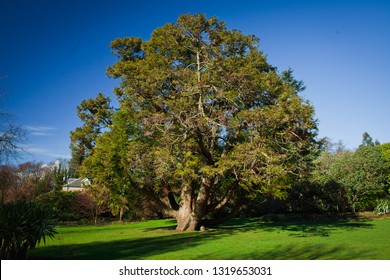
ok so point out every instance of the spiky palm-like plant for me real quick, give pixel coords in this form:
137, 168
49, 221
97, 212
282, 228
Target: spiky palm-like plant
23, 225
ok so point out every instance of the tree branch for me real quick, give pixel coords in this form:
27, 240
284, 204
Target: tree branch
203, 149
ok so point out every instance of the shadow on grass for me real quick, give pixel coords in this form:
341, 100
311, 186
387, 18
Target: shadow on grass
299, 227
310, 252
140, 248
171, 241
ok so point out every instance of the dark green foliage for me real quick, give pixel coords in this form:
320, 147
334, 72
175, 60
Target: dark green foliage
314, 197
22, 226
367, 140
110, 170
61, 204
352, 180
287, 77
344, 180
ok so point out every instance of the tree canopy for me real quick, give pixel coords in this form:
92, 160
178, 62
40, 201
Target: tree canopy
204, 122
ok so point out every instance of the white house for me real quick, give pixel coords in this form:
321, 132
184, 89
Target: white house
76, 184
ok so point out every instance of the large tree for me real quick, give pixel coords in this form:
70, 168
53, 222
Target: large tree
209, 122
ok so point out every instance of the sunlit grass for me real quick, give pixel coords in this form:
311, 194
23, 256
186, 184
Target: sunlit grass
237, 239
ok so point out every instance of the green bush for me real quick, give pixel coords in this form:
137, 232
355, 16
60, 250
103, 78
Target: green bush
61, 204
23, 225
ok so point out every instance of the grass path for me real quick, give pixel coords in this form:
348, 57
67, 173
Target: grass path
237, 239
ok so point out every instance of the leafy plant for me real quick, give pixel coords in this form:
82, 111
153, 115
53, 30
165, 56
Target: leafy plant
383, 207
23, 225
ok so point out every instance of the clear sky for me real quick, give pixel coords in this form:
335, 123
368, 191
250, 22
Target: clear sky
53, 54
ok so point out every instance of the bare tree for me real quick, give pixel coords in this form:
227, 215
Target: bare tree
11, 137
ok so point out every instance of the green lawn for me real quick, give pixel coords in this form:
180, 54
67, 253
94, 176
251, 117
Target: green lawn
237, 239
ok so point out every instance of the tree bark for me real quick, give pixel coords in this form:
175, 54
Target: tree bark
183, 214
184, 218
192, 211
121, 211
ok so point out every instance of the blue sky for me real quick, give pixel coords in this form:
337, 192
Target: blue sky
53, 54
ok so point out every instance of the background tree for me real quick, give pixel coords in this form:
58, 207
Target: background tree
8, 182
321, 192
11, 137
108, 168
356, 178
29, 180
385, 151
210, 122
368, 141
96, 116
60, 173
90, 206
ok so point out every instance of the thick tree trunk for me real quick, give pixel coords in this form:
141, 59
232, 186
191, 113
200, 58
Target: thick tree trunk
192, 211
186, 220
184, 214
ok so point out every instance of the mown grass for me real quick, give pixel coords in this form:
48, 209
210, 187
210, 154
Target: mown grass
237, 239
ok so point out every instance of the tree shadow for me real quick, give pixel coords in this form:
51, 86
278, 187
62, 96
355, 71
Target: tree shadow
310, 252
153, 246
140, 248
299, 227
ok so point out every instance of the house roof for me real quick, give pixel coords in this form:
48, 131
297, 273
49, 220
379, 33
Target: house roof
77, 182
